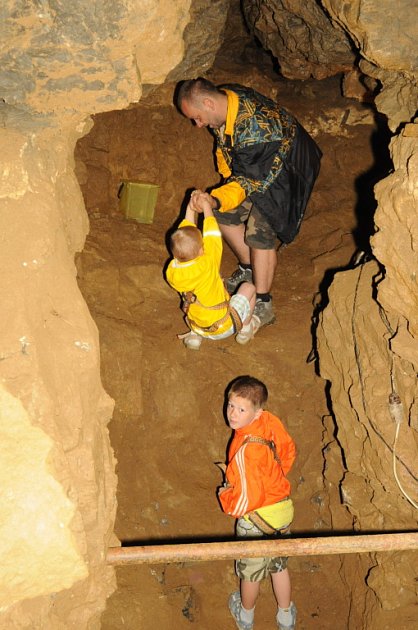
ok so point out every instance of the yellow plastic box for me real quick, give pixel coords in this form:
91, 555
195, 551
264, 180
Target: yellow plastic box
137, 200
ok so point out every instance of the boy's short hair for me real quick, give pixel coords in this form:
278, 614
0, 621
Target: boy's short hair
186, 243
250, 388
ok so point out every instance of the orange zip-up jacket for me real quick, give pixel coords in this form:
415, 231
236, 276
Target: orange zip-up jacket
254, 477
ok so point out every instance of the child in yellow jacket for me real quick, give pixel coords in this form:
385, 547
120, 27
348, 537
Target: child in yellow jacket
257, 494
194, 272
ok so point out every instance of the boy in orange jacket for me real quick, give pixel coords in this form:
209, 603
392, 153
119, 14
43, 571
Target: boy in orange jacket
256, 493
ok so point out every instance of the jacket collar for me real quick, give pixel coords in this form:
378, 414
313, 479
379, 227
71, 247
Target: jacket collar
232, 112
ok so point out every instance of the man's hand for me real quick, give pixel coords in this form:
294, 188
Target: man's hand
202, 202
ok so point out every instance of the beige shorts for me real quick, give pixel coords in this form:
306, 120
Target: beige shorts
256, 569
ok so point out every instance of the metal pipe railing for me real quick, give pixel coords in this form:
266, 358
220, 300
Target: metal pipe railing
326, 545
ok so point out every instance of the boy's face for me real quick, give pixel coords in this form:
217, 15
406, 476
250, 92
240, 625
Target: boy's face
241, 412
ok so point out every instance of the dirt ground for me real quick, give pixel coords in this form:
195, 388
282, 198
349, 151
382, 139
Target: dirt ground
168, 427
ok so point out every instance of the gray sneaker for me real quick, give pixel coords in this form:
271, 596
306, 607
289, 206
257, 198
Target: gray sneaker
239, 276
292, 624
264, 312
235, 606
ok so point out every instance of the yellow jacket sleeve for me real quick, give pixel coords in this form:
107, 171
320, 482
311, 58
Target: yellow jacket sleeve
230, 196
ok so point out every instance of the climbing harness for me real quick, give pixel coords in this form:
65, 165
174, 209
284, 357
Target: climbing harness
269, 443
190, 298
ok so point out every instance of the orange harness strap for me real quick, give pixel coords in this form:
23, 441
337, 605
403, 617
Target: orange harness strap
190, 298
269, 443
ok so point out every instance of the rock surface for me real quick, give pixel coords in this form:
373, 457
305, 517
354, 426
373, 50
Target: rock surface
58, 467
300, 36
383, 34
368, 349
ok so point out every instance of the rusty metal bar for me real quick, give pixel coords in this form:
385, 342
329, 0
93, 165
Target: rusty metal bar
326, 545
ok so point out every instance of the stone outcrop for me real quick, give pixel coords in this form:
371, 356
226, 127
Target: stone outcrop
57, 468
384, 34
300, 36
203, 36
310, 40
368, 348
367, 336
87, 56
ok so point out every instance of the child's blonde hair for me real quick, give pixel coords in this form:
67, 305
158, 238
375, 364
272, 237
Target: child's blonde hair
186, 243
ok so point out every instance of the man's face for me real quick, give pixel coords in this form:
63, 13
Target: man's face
241, 412
204, 114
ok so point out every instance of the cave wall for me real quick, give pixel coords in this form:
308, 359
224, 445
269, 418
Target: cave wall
368, 349
60, 63
384, 34
319, 39
58, 484
355, 345
300, 36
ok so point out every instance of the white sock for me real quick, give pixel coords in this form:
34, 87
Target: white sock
284, 616
247, 616
246, 328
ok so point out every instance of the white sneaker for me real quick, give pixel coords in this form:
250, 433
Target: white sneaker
247, 332
192, 340
292, 622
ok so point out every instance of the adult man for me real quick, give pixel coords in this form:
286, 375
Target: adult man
269, 165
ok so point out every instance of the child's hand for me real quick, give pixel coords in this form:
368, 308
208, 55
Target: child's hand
225, 485
194, 203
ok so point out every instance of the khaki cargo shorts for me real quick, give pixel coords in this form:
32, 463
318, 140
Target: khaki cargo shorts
258, 232
256, 569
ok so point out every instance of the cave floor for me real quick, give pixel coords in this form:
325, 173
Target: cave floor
168, 427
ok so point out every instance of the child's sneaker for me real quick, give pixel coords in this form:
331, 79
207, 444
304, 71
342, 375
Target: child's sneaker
247, 332
235, 607
264, 312
292, 623
191, 340
239, 276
